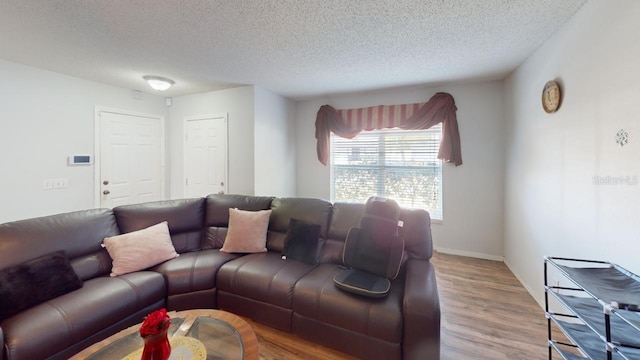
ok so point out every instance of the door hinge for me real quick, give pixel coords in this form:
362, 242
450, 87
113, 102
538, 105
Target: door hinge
186, 182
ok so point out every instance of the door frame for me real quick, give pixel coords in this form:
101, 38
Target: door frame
98, 148
222, 115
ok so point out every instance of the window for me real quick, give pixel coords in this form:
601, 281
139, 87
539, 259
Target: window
399, 164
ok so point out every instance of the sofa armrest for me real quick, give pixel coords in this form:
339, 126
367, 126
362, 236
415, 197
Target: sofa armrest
421, 309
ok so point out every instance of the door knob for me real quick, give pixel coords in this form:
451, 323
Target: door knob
106, 182
222, 183
106, 192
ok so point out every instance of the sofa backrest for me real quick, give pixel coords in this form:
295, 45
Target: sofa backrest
78, 233
335, 221
217, 214
311, 211
185, 218
416, 231
345, 216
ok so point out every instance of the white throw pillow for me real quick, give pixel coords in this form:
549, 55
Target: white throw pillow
141, 249
247, 231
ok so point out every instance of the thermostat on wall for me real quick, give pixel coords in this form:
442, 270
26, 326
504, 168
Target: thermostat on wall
80, 159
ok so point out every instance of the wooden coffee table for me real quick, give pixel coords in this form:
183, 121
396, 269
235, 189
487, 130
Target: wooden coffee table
224, 335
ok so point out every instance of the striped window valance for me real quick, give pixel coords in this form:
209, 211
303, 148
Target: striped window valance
441, 108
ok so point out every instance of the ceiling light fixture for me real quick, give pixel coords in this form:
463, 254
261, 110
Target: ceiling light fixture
158, 82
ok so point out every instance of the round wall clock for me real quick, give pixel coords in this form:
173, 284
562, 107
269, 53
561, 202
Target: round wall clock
551, 96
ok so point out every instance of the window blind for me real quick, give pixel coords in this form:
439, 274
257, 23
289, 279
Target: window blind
398, 164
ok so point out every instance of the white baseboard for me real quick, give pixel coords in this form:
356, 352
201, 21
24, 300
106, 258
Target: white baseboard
534, 294
470, 254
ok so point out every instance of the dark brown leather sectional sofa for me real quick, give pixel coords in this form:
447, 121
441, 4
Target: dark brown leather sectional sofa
286, 294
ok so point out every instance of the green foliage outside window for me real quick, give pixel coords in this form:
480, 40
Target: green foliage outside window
401, 165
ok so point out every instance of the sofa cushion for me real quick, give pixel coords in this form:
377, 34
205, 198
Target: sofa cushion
36, 281
217, 218
193, 271
214, 237
184, 216
416, 232
140, 249
78, 233
181, 215
264, 277
311, 211
60, 323
247, 231
316, 297
218, 206
345, 216
301, 242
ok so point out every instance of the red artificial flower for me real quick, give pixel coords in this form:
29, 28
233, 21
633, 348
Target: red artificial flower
155, 323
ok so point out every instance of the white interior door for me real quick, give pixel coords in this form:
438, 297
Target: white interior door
131, 158
205, 155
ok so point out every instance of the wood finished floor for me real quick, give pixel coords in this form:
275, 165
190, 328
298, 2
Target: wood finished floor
486, 314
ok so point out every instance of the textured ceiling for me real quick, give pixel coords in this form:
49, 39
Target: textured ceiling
297, 48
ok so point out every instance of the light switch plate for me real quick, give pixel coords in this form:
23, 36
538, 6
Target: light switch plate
51, 184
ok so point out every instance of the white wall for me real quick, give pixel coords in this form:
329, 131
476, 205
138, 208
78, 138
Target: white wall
472, 192
552, 204
238, 103
274, 144
44, 118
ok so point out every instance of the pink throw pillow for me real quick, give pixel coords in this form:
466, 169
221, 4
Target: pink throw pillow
247, 231
139, 250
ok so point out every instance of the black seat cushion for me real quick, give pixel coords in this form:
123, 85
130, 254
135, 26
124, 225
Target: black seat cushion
365, 251
362, 283
373, 251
